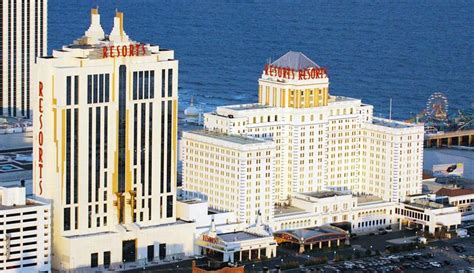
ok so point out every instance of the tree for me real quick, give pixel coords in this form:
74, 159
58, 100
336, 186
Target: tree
357, 254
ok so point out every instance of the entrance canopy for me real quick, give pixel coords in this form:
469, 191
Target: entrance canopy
309, 236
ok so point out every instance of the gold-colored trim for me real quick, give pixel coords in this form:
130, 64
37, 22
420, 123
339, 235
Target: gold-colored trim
128, 172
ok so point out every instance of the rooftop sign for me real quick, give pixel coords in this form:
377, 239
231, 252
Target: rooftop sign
131, 50
309, 73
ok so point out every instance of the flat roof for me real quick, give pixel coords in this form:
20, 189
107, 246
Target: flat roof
238, 236
341, 98
225, 137
288, 210
390, 123
29, 204
323, 194
367, 198
16, 141
191, 201
426, 204
252, 106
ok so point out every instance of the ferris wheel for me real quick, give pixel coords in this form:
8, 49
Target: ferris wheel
437, 107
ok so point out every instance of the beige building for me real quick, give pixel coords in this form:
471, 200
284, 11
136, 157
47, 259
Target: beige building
463, 199
359, 214
105, 150
322, 141
231, 172
391, 159
428, 214
23, 39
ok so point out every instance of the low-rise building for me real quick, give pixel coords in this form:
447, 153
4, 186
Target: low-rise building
25, 233
356, 213
428, 214
463, 199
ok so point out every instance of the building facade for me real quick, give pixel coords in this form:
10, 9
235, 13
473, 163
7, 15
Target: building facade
463, 199
23, 39
25, 233
233, 172
105, 147
324, 142
391, 159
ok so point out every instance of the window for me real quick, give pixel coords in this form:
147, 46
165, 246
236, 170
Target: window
106, 259
150, 252
67, 219
170, 82
94, 260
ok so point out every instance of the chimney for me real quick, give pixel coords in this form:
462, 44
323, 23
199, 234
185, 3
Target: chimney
118, 34
95, 31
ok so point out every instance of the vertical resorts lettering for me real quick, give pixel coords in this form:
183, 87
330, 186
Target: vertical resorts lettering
40, 137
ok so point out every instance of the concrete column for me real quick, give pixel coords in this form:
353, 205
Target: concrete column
470, 140
311, 246
338, 242
240, 258
301, 248
226, 257
438, 142
250, 254
450, 141
258, 255
459, 140
329, 243
320, 245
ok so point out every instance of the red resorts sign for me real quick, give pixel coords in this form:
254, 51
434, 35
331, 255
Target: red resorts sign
40, 137
123, 51
292, 74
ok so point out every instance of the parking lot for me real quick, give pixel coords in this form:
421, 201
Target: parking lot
440, 256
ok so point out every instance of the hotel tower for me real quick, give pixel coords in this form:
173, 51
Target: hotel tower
105, 127
23, 38
321, 142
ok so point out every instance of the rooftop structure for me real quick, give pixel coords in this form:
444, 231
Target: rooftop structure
229, 138
392, 123
454, 192
324, 194
295, 60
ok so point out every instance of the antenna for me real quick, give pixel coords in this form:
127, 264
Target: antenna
390, 113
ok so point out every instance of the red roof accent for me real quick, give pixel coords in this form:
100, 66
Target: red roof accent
454, 192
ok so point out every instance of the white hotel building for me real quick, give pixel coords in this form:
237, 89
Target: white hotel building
321, 142
23, 32
25, 233
105, 142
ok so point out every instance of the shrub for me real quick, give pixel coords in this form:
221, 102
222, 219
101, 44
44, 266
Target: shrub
290, 265
316, 261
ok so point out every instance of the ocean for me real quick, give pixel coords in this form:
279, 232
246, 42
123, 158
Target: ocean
373, 49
